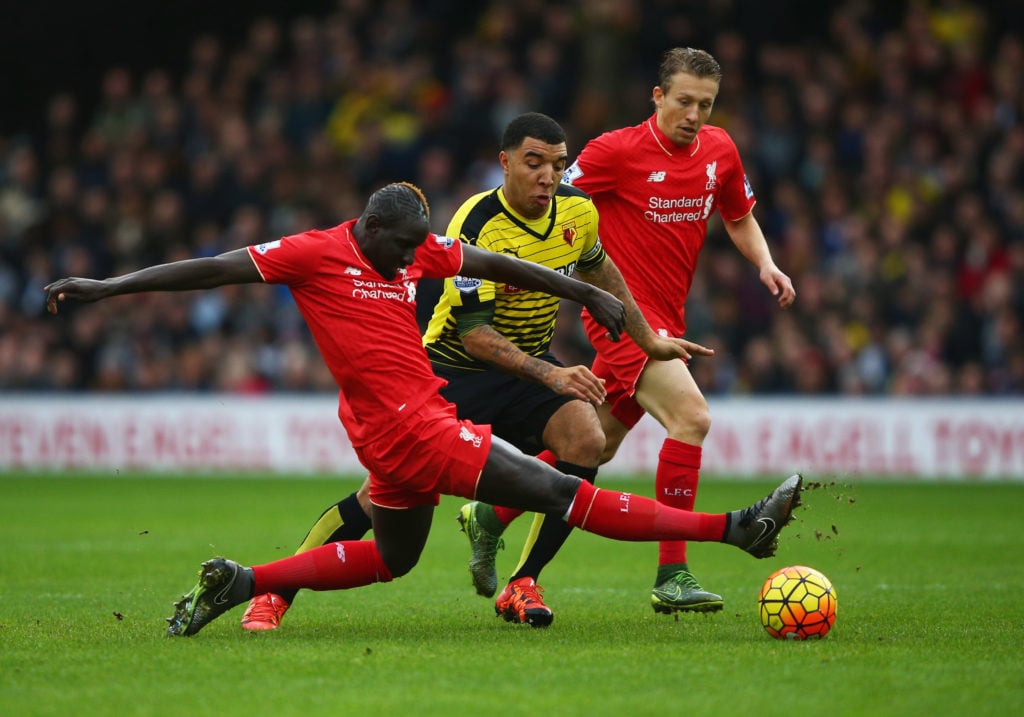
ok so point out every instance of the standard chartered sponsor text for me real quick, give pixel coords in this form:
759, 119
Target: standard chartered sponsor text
658, 205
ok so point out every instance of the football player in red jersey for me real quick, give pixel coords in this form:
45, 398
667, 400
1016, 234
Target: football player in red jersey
355, 285
656, 185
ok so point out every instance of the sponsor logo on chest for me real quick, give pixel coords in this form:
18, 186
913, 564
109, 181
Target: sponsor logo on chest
677, 201
402, 289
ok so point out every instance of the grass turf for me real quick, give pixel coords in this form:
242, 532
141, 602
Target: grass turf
928, 578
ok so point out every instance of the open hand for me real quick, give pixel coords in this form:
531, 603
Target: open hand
663, 348
578, 382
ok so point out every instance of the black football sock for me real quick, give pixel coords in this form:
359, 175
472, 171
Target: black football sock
542, 544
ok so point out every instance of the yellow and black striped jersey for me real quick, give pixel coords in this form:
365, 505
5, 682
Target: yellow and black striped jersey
564, 239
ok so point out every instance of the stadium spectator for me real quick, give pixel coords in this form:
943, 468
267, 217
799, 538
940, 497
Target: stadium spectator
899, 112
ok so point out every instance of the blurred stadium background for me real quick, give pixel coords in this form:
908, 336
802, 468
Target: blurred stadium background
884, 141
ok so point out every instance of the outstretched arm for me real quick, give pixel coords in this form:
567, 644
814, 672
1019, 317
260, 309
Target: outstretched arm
608, 277
233, 267
605, 308
746, 234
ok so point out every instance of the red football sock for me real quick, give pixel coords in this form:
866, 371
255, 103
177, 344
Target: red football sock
625, 516
507, 515
675, 485
335, 566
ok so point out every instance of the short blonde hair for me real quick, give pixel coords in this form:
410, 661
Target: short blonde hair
689, 60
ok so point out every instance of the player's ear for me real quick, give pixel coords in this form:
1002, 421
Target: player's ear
372, 224
657, 95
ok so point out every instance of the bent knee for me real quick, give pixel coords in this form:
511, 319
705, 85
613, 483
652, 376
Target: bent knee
575, 435
614, 433
701, 419
689, 420
585, 449
399, 565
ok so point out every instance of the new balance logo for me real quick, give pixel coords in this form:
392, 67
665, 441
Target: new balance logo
351, 270
656, 177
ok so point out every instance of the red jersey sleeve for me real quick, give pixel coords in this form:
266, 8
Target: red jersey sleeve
737, 196
439, 257
290, 260
595, 169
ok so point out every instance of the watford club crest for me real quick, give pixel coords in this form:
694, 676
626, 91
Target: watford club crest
569, 233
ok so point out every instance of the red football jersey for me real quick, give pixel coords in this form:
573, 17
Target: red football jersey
364, 325
654, 199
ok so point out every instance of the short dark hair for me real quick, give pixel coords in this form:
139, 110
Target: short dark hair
398, 202
689, 60
535, 125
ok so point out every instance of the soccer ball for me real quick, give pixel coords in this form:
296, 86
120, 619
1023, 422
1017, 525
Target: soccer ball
797, 603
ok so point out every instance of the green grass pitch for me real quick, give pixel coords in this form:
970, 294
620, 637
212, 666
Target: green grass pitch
929, 580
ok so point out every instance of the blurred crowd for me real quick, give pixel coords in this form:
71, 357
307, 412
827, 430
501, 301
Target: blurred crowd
884, 141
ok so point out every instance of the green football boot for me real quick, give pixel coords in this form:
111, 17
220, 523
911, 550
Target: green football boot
484, 548
222, 585
682, 593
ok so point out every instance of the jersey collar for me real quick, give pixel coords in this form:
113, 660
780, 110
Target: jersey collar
524, 223
351, 239
665, 143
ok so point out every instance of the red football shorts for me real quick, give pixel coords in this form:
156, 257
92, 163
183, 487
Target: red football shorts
620, 364
430, 453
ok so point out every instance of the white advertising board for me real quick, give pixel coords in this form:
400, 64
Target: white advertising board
942, 439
